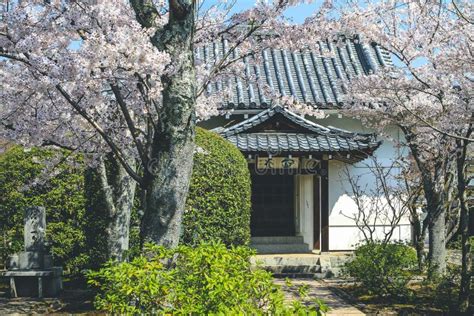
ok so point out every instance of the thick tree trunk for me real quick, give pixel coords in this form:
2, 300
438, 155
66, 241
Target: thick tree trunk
168, 173
437, 244
466, 264
436, 211
110, 195
119, 189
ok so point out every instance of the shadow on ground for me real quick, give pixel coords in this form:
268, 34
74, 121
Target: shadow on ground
76, 298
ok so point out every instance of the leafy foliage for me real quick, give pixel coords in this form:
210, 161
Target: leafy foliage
207, 279
218, 203
220, 188
383, 269
22, 185
446, 288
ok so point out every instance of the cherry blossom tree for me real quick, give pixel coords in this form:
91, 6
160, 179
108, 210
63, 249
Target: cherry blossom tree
122, 81
427, 93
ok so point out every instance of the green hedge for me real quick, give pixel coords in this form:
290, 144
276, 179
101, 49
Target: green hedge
206, 279
218, 204
61, 195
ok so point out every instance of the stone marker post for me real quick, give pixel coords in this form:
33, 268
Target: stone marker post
31, 272
35, 229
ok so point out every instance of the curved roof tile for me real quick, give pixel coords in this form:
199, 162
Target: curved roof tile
305, 75
310, 138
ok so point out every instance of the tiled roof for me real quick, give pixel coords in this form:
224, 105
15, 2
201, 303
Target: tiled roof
307, 76
313, 138
296, 142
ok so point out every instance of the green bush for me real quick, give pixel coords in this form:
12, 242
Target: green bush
446, 288
207, 279
218, 203
61, 195
383, 269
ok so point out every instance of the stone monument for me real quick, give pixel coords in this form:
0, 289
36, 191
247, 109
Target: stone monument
31, 272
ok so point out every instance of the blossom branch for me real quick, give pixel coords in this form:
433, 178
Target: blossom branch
116, 150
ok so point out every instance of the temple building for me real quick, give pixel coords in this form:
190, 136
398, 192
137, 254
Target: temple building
301, 197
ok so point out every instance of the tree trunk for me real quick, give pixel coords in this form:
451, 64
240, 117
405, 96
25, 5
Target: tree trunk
119, 190
464, 291
418, 238
110, 193
437, 244
168, 172
435, 200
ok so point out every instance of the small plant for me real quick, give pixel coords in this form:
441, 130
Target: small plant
320, 307
383, 269
303, 290
207, 279
446, 288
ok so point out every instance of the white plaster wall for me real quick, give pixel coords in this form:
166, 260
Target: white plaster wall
343, 233
306, 208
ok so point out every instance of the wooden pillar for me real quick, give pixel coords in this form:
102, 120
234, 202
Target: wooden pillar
324, 205
317, 213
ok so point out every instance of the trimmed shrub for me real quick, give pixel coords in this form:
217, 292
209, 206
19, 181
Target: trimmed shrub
207, 279
383, 269
217, 208
218, 203
23, 184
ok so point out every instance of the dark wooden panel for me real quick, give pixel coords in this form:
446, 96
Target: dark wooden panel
272, 205
316, 214
325, 207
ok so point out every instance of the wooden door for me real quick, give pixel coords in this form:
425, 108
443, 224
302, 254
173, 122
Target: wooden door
272, 205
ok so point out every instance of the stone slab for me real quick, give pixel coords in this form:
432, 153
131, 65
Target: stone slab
26, 273
30, 260
280, 248
34, 283
35, 228
317, 289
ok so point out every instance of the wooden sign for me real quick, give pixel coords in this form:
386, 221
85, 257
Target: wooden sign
277, 163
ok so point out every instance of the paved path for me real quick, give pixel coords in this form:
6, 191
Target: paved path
317, 289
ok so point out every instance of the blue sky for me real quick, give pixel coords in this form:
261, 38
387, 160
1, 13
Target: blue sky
297, 13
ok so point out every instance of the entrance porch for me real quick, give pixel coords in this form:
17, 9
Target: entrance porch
288, 161
289, 213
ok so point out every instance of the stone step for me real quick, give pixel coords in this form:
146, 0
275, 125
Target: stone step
293, 269
277, 248
277, 240
295, 275
287, 260
294, 265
